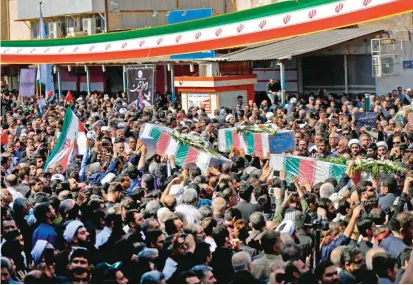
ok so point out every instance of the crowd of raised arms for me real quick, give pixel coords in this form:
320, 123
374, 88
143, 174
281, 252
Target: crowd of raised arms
120, 218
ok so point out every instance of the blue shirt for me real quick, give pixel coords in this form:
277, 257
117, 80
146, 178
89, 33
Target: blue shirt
44, 232
385, 281
327, 249
203, 202
394, 246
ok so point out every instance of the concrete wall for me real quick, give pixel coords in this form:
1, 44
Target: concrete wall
29, 9
400, 27
18, 30
405, 76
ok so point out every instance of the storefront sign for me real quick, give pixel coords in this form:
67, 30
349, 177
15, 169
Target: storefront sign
200, 100
141, 85
27, 82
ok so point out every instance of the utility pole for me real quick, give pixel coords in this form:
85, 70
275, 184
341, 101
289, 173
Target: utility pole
106, 16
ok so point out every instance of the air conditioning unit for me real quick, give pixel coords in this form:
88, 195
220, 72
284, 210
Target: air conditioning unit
55, 30
386, 65
71, 31
389, 64
89, 26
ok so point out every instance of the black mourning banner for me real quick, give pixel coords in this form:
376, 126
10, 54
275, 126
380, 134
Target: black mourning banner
141, 85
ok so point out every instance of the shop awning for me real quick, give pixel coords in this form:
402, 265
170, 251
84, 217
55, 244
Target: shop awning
289, 48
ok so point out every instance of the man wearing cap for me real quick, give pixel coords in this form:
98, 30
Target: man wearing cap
355, 147
382, 149
76, 235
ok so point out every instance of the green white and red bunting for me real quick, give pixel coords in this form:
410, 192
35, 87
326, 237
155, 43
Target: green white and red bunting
71, 142
165, 144
266, 23
306, 169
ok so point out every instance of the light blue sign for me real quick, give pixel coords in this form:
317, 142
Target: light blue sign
189, 15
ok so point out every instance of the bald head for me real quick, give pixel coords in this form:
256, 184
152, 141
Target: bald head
169, 201
335, 256
370, 254
218, 206
241, 261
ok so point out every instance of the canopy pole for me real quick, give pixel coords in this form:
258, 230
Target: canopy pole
173, 83
124, 78
87, 79
59, 84
345, 74
282, 82
165, 75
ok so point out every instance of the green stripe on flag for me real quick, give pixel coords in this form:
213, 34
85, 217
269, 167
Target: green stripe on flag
67, 121
291, 166
181, 154
155, 133
249, 142
228, 140
336, 171
210, 22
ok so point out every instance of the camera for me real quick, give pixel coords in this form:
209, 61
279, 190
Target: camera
318, 224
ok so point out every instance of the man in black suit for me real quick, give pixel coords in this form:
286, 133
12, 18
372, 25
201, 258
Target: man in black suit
244, 205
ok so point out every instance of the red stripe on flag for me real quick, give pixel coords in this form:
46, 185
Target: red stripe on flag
65, 160
162, 143
258, 144
5, 137
235, 140
69, 97
82, 128
306, 170
356, 178
50, 94
191, 155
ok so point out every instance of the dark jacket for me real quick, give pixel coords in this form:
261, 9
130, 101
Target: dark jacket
254, 239
246, 209
347, 278
244, 277
222, 264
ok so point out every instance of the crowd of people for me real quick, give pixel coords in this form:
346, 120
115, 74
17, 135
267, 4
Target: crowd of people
120, 218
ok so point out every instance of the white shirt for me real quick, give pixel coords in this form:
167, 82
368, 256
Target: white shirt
14, 193
170, 268
191, 213
103, 237
211, 242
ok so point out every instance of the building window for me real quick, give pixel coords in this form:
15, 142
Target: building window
35, 30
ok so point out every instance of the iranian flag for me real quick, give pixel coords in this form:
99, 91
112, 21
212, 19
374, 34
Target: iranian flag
258, 143
165, 144
71, 142
306, 169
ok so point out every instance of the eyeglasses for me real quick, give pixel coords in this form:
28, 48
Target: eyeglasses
396, 142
